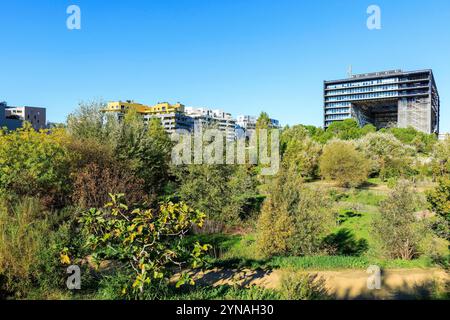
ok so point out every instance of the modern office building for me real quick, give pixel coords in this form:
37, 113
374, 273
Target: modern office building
388, 98
13, 117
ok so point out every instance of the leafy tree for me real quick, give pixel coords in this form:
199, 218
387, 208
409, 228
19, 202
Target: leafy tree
35, 164
397, 227
263, 121
439, 199
389, 156
341, 162
88, 122
441, 158
147, 149
303, 155
349, 129
223, 192
146, 241
293, 219
421, 141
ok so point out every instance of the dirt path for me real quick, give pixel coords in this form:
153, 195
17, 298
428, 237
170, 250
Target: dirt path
343, 284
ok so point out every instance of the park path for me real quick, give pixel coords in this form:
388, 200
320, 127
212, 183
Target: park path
341, 284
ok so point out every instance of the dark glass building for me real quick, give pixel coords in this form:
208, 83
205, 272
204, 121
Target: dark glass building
388, 98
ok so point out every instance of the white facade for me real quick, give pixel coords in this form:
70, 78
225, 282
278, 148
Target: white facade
207, 117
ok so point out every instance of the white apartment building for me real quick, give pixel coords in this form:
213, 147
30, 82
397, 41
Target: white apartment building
204, 117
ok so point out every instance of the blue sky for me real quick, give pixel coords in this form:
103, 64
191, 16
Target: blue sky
243, 56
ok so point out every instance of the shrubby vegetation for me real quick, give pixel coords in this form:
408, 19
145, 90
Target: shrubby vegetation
293, 218
342, 163
398, 228
164, 220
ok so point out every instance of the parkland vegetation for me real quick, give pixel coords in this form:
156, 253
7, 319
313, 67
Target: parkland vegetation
103, 195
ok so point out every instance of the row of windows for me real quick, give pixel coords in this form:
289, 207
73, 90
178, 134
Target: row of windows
363, 96
362, 83
364, 89
337, 110
338, 117
338, 104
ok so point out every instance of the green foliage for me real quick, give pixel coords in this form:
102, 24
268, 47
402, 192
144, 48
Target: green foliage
299, 286
300, 152
145, 241
341, 162
397, 227
223, 192
344, 243
441, 158
35, 164
225, 292
294, 219
89, 123
349, 129
421, 141
389, 157
31, 241
439, 199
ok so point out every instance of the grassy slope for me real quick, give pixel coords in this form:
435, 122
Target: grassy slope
232, 251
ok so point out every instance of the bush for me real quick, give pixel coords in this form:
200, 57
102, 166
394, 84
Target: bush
294, 219
30, 247
439, 199
298, 286
303, 157
35, 164
441, 158
389, 157
397, 227
146, 242
341, 162
224, 193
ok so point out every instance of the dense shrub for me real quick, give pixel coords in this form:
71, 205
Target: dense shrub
146, 242
30, 245
294, 219
302, 155
421, 141
397, 227
93, 185
299, 286
224, 193
389, 157
441, 159
35, 164
341, 162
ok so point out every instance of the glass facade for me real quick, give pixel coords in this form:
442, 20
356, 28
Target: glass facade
386, 88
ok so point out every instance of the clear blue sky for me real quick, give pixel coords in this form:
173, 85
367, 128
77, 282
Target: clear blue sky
243, 56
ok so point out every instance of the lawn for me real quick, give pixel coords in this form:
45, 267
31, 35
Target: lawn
355, 210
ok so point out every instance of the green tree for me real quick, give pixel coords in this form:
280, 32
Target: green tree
341, 162
146, 241
421, 141
294, 219
35, 164
303, 155
397, 228
147, 149
389, 156
439, 199
349, 129
223, 192
441, 158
